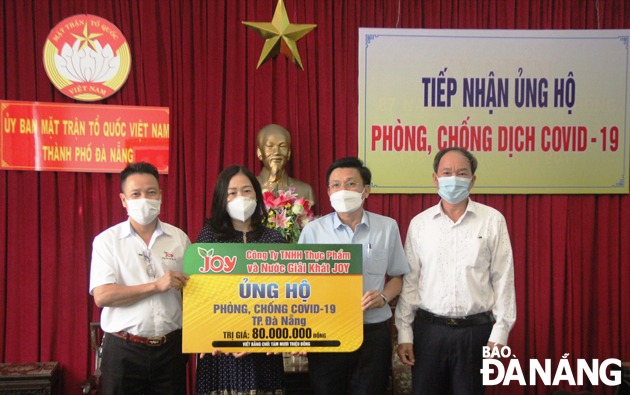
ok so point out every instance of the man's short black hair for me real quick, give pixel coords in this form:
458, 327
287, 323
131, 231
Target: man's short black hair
471, 158
138, 168
350, 162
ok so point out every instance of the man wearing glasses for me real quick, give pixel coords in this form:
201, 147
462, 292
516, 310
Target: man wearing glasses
365, 370
136, 278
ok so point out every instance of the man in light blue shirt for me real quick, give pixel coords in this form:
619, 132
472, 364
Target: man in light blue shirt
366, 370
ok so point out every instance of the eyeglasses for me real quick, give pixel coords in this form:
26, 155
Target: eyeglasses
147, 258
348, 185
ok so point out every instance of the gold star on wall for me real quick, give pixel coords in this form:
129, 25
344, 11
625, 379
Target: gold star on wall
280, 36
87, 38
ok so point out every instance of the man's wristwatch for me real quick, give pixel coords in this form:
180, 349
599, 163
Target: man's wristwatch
384, 298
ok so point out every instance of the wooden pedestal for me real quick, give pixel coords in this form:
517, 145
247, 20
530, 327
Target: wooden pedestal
33, 378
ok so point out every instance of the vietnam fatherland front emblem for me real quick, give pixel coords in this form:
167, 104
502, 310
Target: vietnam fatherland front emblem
87, 58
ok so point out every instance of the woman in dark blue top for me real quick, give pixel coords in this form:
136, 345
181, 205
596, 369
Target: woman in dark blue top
238, 215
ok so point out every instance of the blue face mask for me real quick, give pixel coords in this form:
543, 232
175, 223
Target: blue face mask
453, 189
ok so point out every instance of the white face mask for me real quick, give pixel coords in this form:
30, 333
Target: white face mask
453, 189
241, 208
345, 201
143, 211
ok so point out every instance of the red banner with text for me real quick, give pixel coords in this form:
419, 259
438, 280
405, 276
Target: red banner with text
82, 137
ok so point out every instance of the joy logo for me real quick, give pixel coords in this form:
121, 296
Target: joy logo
217, 263
593, 371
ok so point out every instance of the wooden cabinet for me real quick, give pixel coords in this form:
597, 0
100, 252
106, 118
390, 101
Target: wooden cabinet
32, 378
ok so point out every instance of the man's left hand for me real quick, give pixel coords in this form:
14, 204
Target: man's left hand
491, 346
371, 300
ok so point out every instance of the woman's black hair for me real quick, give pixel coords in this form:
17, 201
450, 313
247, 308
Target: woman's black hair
220, 222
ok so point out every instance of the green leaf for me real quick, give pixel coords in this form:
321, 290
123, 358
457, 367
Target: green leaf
202, 252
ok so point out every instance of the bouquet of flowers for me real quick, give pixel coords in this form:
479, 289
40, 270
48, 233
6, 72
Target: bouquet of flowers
287, 213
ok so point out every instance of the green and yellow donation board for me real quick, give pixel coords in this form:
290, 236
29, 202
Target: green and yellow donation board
273, 298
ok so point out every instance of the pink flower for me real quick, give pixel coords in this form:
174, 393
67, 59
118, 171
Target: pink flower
307, 213
287, 195
272, 201
281, 220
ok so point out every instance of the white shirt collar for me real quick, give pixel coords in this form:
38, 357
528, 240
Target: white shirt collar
127, 231
364, 220
437, 210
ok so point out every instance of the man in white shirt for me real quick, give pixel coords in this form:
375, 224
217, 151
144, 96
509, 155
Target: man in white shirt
136, 278
461, 270
365, 370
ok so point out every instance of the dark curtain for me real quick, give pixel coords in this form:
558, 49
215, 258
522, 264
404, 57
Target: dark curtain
572, 252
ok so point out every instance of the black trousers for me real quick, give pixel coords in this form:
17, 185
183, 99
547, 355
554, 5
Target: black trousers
364, 371
130, 368
448, 358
